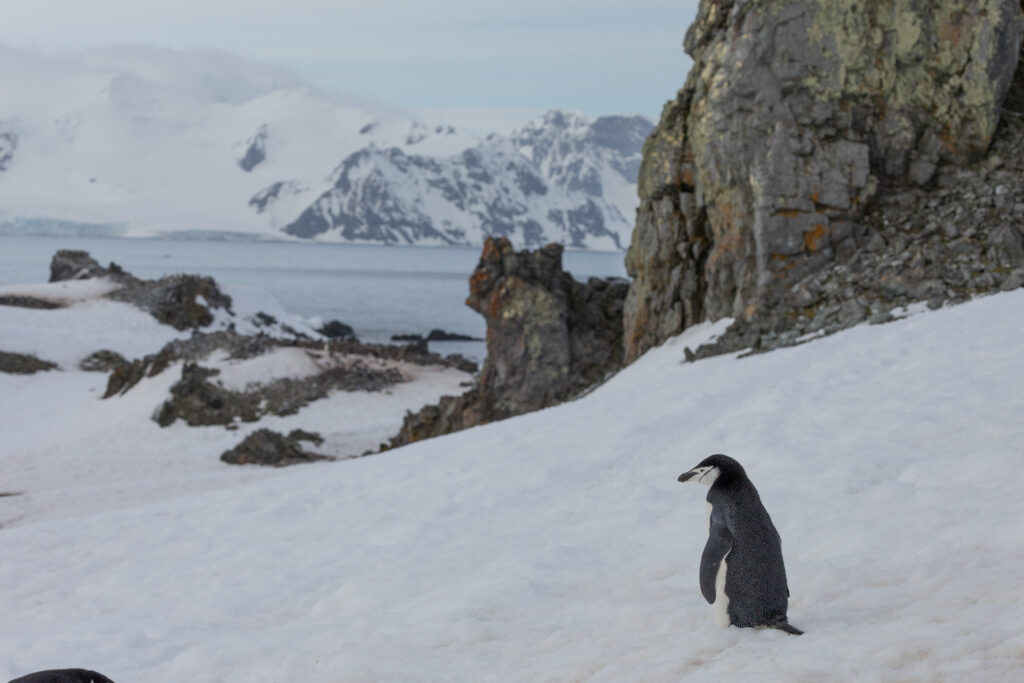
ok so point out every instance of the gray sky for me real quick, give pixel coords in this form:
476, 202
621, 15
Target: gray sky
596, 56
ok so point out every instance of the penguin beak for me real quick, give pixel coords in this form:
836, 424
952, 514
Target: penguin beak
687, 476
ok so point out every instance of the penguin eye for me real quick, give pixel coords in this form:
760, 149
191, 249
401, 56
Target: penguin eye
706, 472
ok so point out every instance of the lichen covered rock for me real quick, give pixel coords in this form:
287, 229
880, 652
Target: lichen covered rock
796, 117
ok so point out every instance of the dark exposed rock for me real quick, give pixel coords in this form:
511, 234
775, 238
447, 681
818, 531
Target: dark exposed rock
548, 336
103, 361
262, 319
272, 193
198, 346
237, 346
335, 329
71, 264
23, 364
256, 152
28, 302
441, 335
548, 339
8, 145
434, 335
173, 300
450, 414
266, 447
198, 401
811, 173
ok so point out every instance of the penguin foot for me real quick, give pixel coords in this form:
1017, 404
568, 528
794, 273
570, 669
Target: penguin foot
787, 627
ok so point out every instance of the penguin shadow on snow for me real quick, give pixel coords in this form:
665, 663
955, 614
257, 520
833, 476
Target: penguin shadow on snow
742, 574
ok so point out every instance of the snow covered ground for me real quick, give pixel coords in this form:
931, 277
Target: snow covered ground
66, 452
553, 546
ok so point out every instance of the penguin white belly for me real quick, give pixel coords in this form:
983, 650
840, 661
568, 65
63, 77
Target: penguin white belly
721, 599
721, 603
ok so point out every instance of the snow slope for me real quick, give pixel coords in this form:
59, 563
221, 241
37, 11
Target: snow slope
558, 545
72, 453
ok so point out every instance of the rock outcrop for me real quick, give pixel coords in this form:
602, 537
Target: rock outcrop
73, 264
549, 338
199, 401
241, 346
103, 360
23, 364
337, 329
814, 143
28, 302
181, 301
255, 151
269, 448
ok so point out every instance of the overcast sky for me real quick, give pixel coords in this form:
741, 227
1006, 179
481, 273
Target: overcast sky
596, 56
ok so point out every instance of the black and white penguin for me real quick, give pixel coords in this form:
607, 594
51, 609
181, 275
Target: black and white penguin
741, 571
63, 676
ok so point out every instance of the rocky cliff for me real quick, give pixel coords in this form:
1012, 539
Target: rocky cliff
826, 162
549, 338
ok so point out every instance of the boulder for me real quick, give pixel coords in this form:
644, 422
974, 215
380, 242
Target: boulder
441, 335
336, 329
270, 448
103, 361
71, 264
23, 364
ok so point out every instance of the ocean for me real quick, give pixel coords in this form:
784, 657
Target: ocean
378, 290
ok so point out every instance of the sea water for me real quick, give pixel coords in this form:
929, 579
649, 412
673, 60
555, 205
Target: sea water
378, 290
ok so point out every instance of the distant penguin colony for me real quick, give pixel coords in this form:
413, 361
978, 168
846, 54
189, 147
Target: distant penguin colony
64, 676
741, 570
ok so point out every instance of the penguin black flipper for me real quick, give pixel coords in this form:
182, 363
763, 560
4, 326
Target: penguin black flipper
718, 545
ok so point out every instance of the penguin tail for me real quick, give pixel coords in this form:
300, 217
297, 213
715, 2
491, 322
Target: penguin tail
787, 627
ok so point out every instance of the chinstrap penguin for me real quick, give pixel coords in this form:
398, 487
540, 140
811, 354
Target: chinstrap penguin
741, 570
63, 676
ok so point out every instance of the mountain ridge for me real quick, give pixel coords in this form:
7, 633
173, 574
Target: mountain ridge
162, 143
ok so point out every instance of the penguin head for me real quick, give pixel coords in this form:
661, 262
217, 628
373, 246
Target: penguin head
711, 469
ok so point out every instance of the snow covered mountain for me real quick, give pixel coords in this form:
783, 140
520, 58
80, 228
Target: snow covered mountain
142, 142
558, 179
